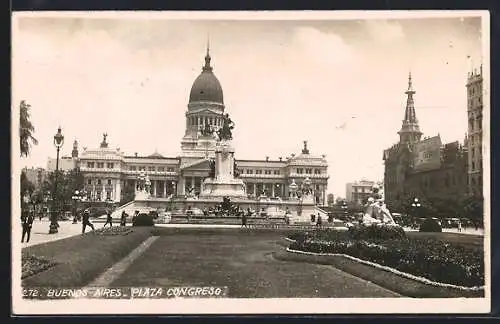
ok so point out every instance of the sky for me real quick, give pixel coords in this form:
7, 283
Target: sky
337, 83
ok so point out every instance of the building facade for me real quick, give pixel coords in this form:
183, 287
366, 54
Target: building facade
109, 172
475, 132
66, 163
359, 191
417, 167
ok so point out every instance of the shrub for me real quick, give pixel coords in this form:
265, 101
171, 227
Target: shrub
143, 220
432, 259
430, 225
377, 232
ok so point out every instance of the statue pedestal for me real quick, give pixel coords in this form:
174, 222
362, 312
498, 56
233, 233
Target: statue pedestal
224, 184
142, 195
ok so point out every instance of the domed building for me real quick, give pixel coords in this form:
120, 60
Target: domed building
111, 175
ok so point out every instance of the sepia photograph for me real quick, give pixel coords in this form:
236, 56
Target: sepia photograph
250, 162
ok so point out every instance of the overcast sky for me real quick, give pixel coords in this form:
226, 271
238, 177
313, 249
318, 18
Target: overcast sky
339, 84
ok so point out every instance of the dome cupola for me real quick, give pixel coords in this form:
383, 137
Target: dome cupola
206, 87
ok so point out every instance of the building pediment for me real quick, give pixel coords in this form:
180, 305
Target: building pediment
197, 165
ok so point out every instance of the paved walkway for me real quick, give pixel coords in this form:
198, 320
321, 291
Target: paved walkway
468, 231
40, 232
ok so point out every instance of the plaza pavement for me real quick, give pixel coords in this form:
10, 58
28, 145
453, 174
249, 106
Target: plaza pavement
40, 232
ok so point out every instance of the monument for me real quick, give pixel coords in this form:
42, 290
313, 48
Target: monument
143, 190
223, 181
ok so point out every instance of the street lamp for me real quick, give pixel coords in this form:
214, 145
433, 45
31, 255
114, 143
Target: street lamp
76, 197
58, 143
416, 204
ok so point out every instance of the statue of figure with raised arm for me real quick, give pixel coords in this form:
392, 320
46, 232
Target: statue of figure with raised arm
225, 132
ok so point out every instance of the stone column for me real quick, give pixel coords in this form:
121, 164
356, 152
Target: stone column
155, 184
272, 190
118, 191
192, 184
181, 186
254, 189
164, 189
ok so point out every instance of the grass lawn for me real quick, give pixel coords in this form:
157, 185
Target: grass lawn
80, 259
241, 260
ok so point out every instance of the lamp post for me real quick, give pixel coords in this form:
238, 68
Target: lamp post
76, 197
416, 205
58, 143
344, 208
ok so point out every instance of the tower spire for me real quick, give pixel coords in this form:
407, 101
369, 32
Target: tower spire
410, 130
207, 66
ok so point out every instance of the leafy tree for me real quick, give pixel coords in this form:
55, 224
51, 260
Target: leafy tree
26, 129
473, 208
67, 183
128, 193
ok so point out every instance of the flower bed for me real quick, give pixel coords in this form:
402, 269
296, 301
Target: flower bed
114, 230
31, 265
432, 259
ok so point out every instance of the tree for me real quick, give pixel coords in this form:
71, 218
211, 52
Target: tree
67, 184
26, 129
473, 208
128, 193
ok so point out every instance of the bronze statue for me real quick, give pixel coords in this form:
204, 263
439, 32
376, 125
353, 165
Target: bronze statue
225, 132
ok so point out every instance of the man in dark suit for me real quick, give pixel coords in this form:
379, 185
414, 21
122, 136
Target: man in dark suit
27, 222
86, 221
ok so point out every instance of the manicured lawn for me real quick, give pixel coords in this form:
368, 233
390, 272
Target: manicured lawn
80, 259
241, 260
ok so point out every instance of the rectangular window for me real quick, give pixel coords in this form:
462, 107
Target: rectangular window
276, 172
152, 168
258, 171
89, 181
267, 171
317, 171
98, 182
161, 169
90, 165
300, 171
170, 169
308, 171
249, 171
132, 168
109, 181
100, 165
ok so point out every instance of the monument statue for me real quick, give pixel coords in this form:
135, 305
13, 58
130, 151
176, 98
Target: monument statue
225, 132
211, 173
376, 210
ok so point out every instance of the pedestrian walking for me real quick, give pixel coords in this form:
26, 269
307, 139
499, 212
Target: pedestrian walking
319, 222
244, 220
123, 221
27, 223
460, 226
86, 221
109, 219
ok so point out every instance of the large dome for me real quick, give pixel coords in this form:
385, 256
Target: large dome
206, 87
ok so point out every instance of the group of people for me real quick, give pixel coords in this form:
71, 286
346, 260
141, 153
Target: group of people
109, 219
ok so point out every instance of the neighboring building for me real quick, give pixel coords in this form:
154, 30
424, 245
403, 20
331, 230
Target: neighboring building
475, 131
66, 163
417, 167
359, 191
108, 171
